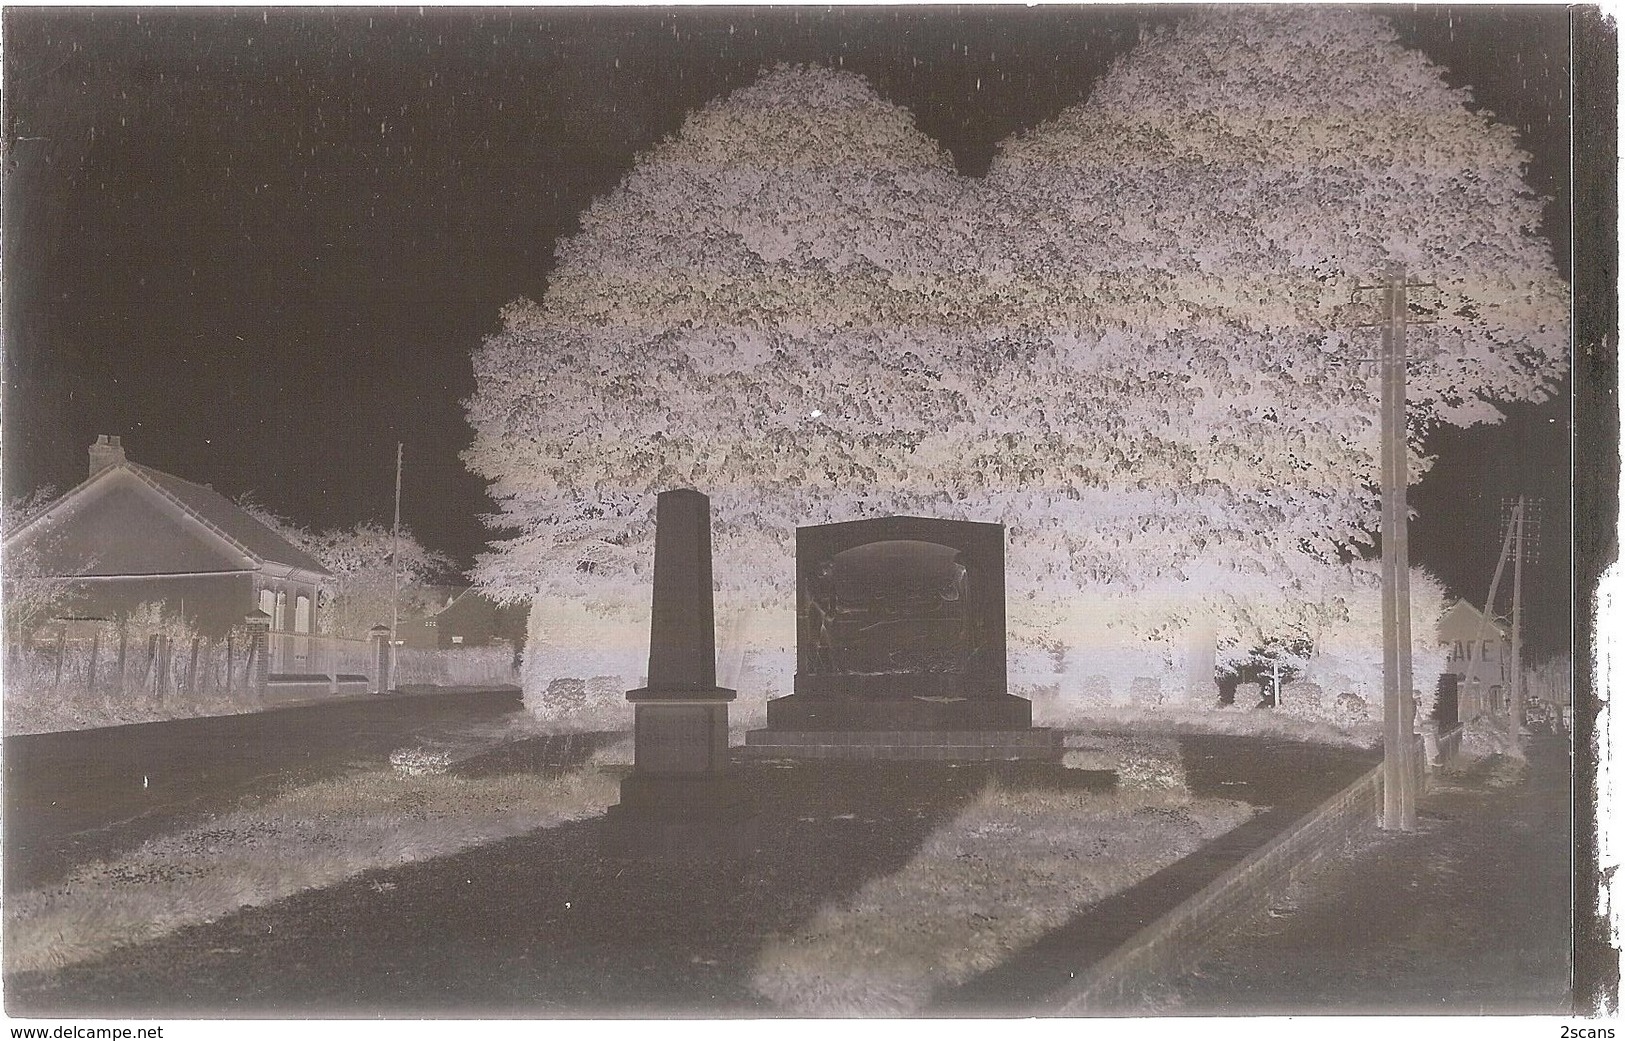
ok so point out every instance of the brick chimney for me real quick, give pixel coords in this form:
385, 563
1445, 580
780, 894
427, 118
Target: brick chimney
107, 451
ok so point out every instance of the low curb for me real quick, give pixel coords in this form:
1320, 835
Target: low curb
1178, 940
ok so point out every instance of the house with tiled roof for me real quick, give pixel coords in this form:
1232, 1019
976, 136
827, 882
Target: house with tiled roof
465, 617
1478, 673
130, 535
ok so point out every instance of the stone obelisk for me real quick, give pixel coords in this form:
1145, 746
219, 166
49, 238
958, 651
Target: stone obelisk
678, 799
681, 722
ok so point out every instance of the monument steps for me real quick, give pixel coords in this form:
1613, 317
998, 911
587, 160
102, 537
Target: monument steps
1039, 743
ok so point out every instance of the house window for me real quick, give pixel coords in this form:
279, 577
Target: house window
279, 621
1485, 651
301, 614
456, 639
268, 603
1456, 655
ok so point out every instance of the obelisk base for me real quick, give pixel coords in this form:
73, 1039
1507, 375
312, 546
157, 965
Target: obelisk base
681, 801
680, 730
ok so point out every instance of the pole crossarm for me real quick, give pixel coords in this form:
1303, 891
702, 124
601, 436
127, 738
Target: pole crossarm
1416, 312
1531, 524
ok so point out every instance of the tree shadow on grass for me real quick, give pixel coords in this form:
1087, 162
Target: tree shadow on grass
1284, 779
545, 924
84, 795
545, 754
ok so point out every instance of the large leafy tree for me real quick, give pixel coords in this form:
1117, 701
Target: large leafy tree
1195, 231
1130, 343
752, 312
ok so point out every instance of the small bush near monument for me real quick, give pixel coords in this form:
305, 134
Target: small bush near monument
455, 666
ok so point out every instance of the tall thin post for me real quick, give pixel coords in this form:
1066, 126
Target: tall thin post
61, 655
95, 654
1515, 703
191, 668
1399, 707
395, 560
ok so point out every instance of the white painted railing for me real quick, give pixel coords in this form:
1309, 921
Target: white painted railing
310, 654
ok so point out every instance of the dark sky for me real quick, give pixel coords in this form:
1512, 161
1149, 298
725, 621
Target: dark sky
260, 245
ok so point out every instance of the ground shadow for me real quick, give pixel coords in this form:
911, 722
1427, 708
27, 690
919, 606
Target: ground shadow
543, 924
546, 925
545, 754
85, 795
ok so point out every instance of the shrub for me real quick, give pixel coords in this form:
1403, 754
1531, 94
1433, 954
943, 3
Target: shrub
456, 666
1304, 700
1485, 736
146, 667
1349, 708
1145, 691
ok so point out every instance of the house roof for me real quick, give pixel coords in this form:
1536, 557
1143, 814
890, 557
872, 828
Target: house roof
1476, 617
230, 520
219, 515
443, 596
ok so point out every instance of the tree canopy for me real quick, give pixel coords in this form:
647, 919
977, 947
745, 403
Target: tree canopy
1131, 343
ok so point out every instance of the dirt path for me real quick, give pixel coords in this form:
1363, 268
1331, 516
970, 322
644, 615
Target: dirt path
1468, 916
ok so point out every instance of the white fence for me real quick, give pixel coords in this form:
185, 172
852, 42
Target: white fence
456, 666
307, 655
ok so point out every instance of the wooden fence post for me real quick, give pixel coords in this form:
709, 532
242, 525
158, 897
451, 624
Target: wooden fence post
191, 668
95, 658
61, 655
163, 672
149, 673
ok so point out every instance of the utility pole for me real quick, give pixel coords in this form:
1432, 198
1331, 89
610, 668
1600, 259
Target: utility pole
1400, 778
1523, 530
1399, 707
1515, 699
395, 567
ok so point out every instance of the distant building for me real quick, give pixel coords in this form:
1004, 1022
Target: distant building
1479, 670
130, 535
466, 618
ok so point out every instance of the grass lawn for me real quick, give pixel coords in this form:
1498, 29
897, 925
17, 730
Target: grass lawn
1012, 865
1173, 719
306, 838
872, 890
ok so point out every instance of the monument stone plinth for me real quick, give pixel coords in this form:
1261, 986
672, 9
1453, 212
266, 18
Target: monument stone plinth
900, 648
